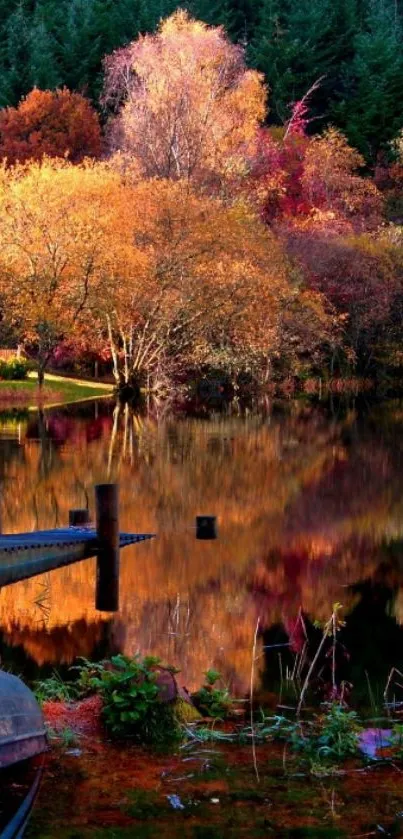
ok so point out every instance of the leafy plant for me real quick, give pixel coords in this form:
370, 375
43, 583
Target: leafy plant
87, 672
340, 731
212, 676
273, 727
332, 736
54, 689
132, 706
204, 734
65, 736
210, 700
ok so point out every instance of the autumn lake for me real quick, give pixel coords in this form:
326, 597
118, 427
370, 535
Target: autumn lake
309, 503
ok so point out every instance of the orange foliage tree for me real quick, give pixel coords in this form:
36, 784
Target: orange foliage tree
191, 108
53, 123
174, 280
206, 285
333, 183
57, 225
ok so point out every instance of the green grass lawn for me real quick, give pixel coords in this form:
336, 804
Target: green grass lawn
27, 393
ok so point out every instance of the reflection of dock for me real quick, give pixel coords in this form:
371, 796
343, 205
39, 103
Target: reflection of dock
13, 431
24, 555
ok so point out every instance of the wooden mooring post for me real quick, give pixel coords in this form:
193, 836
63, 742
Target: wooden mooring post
107, 527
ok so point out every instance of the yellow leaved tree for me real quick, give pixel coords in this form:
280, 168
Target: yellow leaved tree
171, 279
58, 226
190, 107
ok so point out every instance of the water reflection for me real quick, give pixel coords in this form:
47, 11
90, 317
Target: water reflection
310, 513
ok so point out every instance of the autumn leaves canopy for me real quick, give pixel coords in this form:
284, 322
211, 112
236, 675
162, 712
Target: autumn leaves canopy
190, 107
175, 251
56, 123
169, 277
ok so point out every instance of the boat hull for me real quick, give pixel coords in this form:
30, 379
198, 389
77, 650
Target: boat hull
19, 786
22, 727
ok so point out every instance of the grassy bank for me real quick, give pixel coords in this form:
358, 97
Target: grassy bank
56, 390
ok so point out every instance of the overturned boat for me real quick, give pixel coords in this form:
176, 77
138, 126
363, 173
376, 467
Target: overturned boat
19, 786
22, 739
22, 727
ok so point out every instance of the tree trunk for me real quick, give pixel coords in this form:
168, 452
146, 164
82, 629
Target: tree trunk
41, 376
115, 359
129, 391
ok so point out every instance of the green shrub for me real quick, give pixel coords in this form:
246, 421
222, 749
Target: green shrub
65, 736
331, 736
54, 689
210, 700
15, 369
132, 706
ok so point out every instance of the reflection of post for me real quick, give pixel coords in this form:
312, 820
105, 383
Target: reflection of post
116, 414
79, 518
107, 524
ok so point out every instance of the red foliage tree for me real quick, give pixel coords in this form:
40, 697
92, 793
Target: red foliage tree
328, 216
313, 180
362, 278
52, 123
276, 176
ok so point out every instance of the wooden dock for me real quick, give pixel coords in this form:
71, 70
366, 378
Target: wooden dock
24, 555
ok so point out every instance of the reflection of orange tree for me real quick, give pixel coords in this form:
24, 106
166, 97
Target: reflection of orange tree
70, 641
196, 603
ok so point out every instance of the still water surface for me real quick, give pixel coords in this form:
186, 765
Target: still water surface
309, 501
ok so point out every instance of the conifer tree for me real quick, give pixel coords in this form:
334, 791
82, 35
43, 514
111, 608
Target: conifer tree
214, 12
237, 16
15, 54
44, 71
370, 106
80, 52
244, 17
298, 42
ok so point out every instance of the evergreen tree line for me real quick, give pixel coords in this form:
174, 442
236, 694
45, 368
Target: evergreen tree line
354, 47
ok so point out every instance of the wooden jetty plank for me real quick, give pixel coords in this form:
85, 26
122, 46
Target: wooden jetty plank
62, 537
24, 555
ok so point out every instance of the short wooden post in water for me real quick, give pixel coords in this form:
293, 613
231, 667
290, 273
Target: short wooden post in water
206, 527
107, 525
79, 518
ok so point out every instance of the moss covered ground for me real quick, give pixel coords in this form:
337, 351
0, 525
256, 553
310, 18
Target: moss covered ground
105, 791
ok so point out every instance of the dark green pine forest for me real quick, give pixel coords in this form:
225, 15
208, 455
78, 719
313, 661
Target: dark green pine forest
354, 47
